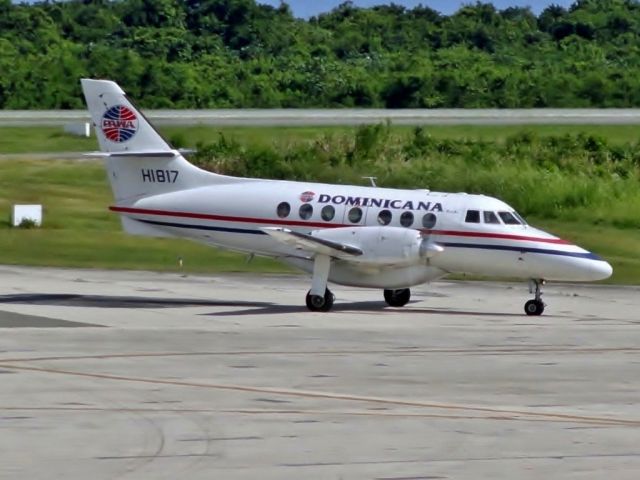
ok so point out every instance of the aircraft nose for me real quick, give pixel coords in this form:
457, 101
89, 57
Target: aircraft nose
591, 269
599, 270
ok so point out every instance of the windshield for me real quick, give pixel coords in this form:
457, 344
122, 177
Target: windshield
519, 217
509, 219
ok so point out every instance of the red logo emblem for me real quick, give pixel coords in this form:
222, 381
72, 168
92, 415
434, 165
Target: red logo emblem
307, 196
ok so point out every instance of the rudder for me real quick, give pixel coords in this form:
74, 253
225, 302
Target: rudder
119, 125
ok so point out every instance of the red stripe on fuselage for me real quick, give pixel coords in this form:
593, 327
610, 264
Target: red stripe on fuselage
502, 236
224, 218
271, 221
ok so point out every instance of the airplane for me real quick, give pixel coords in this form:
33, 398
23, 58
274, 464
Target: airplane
372, 237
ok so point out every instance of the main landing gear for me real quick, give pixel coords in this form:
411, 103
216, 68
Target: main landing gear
320, 298
397, 298
320, 303
536, 305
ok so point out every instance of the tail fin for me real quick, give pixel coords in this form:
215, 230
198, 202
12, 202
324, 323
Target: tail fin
120, 127
139, 162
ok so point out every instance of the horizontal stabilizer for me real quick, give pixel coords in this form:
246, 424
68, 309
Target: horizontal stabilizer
312, 244
141, 154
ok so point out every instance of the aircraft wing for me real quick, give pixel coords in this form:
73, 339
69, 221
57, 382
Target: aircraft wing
312, 244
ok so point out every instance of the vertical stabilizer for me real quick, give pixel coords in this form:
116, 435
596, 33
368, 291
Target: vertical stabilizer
120, 126
139, 161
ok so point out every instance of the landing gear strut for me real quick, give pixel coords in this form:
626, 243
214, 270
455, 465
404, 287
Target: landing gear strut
536, 305
397, 298
320, 298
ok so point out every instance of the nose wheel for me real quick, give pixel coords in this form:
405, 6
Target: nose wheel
397, 298
536, 305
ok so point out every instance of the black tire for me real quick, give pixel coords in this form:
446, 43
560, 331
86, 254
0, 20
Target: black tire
317, 303
534, 307
397, 298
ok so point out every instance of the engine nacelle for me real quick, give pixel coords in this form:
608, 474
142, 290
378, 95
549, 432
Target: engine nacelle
383, 245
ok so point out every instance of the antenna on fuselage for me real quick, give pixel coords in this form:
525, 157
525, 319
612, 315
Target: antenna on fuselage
372, 180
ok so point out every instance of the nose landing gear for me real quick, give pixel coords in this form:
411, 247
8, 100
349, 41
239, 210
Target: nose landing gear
536, 305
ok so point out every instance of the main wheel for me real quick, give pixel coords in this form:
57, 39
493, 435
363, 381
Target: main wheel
319, 303
397, 298
534, 307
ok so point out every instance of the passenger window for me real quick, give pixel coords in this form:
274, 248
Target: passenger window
406, 219
328, 212
384, 217
490, 217
473, 216
355, 215
508, 218
429, 220
306, 210
283, 210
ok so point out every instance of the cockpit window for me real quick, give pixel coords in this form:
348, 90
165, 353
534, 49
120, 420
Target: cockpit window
508, 218
519, 217
490, 217
473, 216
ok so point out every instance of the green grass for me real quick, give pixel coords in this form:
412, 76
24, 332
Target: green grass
79, 231
42, 140
53, 139
616, 134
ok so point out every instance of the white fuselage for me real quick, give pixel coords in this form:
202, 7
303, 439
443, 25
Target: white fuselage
232, 216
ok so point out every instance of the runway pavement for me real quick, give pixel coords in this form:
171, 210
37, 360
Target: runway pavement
142, 375
296, 117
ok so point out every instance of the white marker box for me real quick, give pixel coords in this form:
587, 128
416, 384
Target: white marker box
26, 212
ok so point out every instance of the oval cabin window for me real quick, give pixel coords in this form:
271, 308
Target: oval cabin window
406, 219
306, 210
355, 215
283, 210
384, 217
429, 220
327, 213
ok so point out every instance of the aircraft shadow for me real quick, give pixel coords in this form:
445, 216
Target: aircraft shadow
247, 307
367, 306
114, 301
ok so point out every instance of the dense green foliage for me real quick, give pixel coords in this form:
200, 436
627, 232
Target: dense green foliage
236, 53
571, 177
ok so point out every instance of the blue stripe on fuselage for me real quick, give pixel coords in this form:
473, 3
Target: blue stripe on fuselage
202, 227
588, 255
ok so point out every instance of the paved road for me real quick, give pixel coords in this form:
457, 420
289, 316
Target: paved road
138, 375
298, 117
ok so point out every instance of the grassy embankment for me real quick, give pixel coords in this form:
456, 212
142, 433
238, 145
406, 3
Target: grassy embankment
591, 195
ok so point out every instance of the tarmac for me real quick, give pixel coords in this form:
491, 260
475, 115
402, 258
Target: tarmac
139, 375
295, 117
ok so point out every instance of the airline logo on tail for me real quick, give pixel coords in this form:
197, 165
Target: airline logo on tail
119, 123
